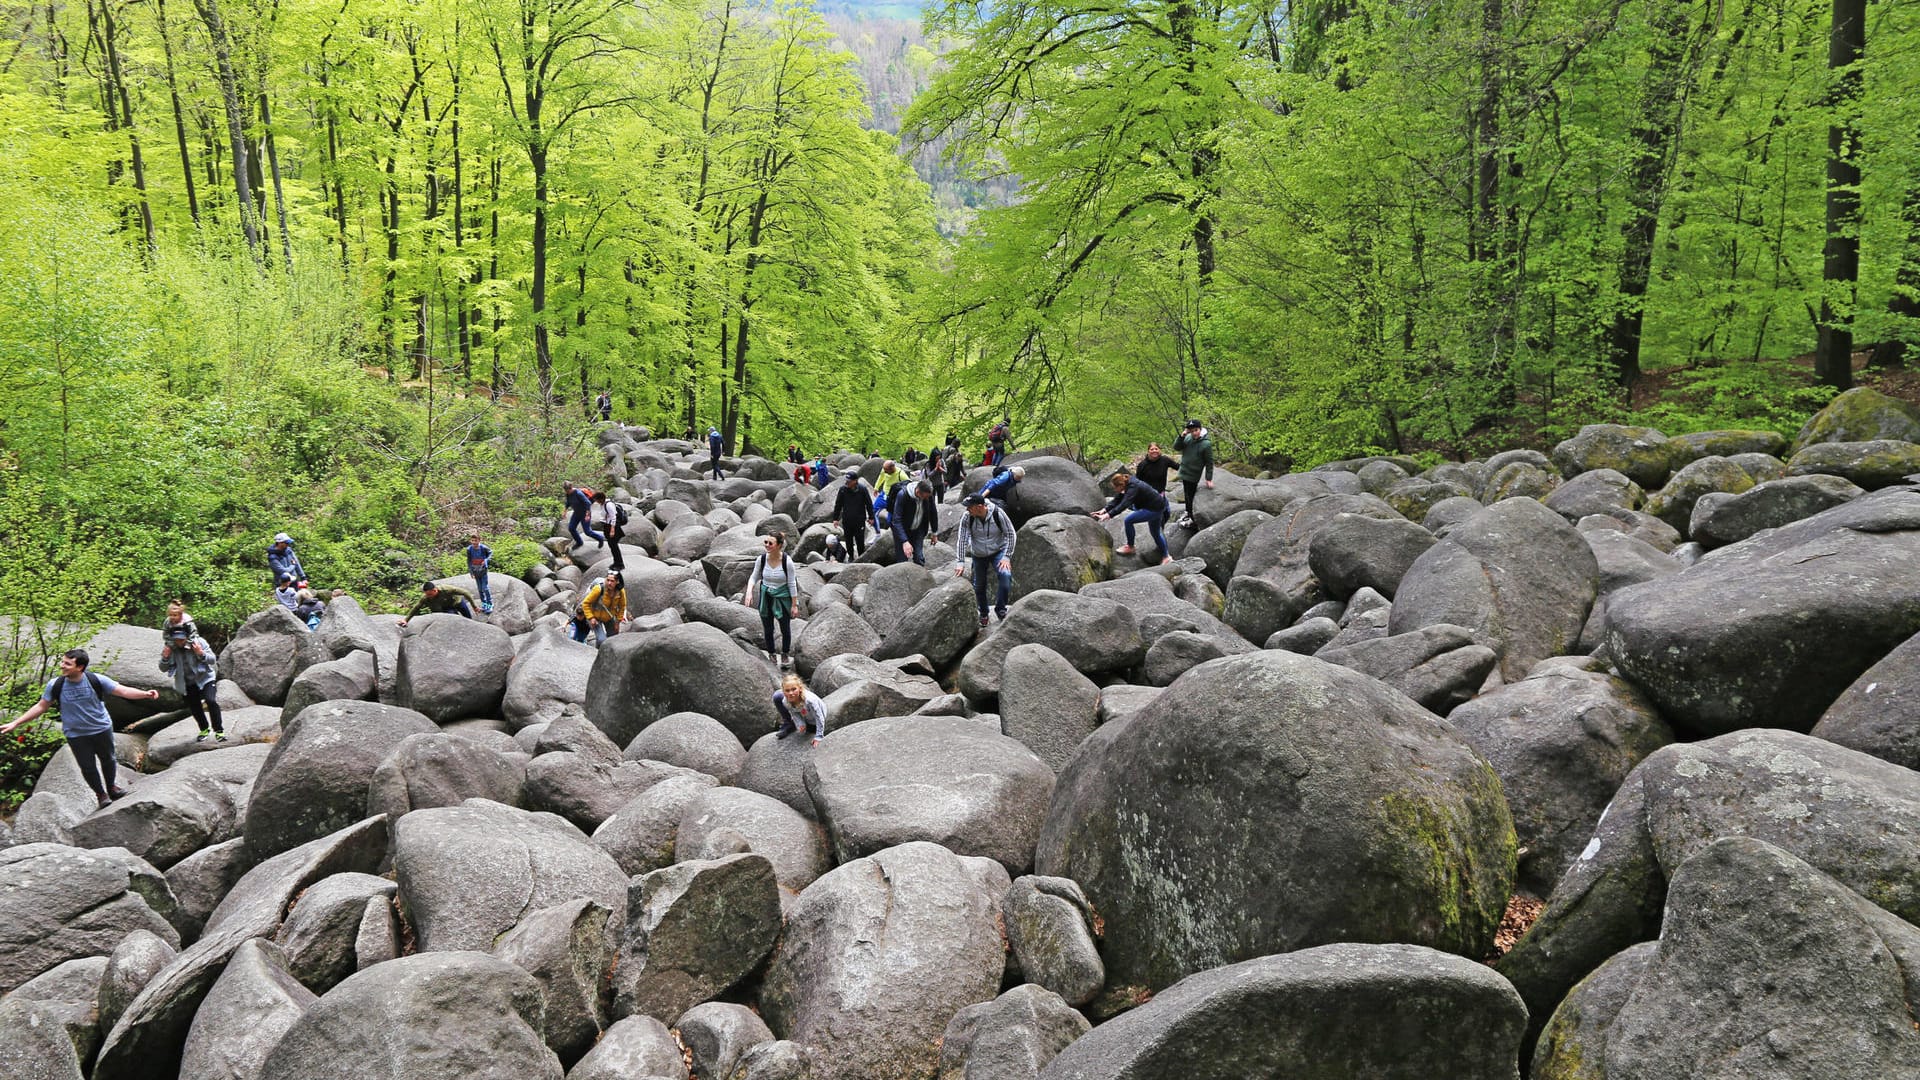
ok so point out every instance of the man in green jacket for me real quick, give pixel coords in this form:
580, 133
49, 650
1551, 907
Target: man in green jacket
1196, 464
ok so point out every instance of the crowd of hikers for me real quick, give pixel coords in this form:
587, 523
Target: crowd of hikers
903, 498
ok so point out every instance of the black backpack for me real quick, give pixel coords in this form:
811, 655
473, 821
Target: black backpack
619, 514
99, 689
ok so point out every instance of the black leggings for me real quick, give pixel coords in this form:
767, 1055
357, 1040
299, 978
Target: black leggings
95, 755
210, 694
786, 628
614, 533
1192, 488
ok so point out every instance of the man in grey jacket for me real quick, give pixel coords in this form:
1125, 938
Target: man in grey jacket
986, 537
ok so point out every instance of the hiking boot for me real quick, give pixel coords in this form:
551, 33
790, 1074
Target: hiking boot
205, 734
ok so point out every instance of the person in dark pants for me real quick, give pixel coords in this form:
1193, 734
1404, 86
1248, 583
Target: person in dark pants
186, 656
713, 450
1152, 469
1196, 462
956, 464
915, 511
986, 539
854, 507
579, 503
606, 515
479, 558
1147, 505
771, 590
605, 404
435, 600
81, 696
1000, 488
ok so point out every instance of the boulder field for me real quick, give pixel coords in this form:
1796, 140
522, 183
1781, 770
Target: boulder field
1596, 764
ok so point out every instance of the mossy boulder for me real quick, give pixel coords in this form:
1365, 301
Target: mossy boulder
1872, 465
1862, 414
1642, 453
1519, 479
1673, 503
1271, 802
1702, 444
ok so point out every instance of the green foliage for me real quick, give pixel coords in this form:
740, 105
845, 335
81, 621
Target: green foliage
23, 755
513, 556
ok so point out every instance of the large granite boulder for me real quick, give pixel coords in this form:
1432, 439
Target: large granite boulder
452, 667
1640, 454
1348, 812
1861, 414
1013, 1036
352, 677
1062, 552
720, 821
1342, 1012
694, 930
1218, 545
1046, 704
317, 777
639, 678
548, 674
568, 949
250, 1008
61, 903
1355, 551
1096, 636
1050, 937
175, 813
1720, 519
879, 954
939, 626
1517, 575
1772, 629
949, 780
1872, 465
1880, 713
1053, 485
439, 768
690, 741
268, 651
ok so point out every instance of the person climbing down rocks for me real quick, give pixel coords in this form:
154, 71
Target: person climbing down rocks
610, 518
890, 474
833, 547
479, 559
603, 609
1000, 488
579, 503
435, 600
186, 656
713, 450
770, 591
1148, 505
986, 540
605, 405
80, 697
1196, 462
916, 511
822, 474
853, 507
800, 709
282, 561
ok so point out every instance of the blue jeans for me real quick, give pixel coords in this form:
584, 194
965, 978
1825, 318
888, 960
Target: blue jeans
984, 565
599, 631
716, 464
919, 542
480, 582
578, 521
1154, 519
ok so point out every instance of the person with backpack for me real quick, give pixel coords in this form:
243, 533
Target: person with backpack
605, 405
997, 441
479, 558
611, 518
956, 463
186, 656
800, 710
603, 609
915, 513
713, 449
1152, 469
80, 696
986, 539
1000, 488
822, 475
890, 474
770, 590
435, 600
854, 509
1148, 505
794, 456
579, 503
308, 608
1196, 461
935, 474
282, 561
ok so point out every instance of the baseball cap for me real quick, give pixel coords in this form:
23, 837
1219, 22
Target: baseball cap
282, 538
1191, 424
976, 499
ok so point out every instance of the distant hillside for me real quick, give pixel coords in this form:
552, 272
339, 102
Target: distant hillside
895, 62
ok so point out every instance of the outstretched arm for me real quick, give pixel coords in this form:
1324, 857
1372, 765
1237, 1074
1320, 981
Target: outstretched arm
32, 714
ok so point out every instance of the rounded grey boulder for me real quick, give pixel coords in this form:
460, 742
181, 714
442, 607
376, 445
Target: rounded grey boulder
317, 777
452, 667
691, 741
639, 678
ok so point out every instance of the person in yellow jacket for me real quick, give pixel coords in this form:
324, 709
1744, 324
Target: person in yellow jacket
890, 474
602, 609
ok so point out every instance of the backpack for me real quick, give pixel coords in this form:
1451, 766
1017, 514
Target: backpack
99, 689
619, 515
999, 433
587, 492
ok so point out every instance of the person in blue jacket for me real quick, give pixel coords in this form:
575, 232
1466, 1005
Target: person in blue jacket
822, 474
579, 503
1146, 504
713, 450
1000, 488
479, 559
281, 560
915, 512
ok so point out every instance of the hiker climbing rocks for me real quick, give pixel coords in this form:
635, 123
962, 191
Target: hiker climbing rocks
438, 600
915, 512
1000, 488
800, 709
986, 540
713, 450
603, 609
609, 517
1196, 461
80, 696
186, 656
479, 559
1152, 469
770, 591
308, 607
579, 503
1146, 504
854, 509
822, 474
997, 441
286, 593
890, 474
282, 561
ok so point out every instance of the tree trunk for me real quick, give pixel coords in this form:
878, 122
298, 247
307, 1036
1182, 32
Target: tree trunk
755, 222
236, 120
179, 114
1904, 304
279, 193
1840, 263
119, 80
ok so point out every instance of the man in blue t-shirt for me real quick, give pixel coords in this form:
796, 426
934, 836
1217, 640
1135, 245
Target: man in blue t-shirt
84, 720
479, 557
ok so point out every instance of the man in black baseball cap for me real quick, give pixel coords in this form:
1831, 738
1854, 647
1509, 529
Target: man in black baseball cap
1196, 463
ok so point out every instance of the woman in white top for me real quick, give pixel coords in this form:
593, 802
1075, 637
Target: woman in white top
770, 589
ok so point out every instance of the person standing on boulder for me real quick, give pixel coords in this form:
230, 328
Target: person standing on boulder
890, 474
579, 503
1152, 469
713, 450
80, 696
605, 404
854, 507
1148, 505
435, 600
281, 560
1196, 461
916, 511
822, 474
604, 608
770, 590
800, 709
479, 558
186, 656
997, 441
986, 539
607, 514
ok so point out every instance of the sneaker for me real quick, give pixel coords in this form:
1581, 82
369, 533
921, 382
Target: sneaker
1165, 559
983, 620
1124, 549
205, 734
782, 734
117, 793
1186, 522
219, 736
1001, 615
104, 801
486, 609
786, 660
